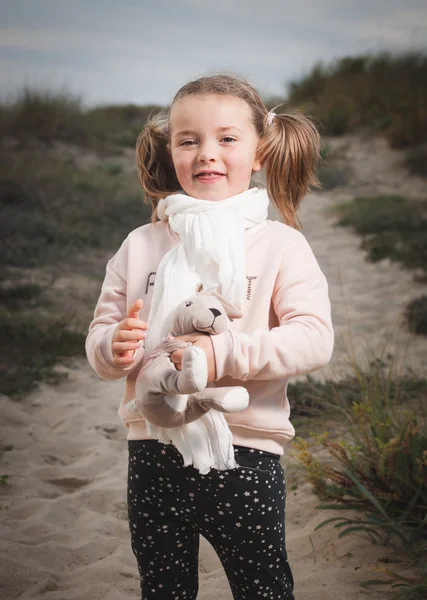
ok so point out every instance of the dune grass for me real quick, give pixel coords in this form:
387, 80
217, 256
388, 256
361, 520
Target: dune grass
416, 160
51, 213
378, 464
391, 227
55, 115
395, 228
384, 93
31, 350
51, 210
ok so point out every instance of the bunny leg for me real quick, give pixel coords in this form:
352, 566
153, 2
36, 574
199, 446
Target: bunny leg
193, 376
161, 376
226, 399
165, 379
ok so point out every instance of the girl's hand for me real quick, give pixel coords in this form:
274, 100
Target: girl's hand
202, 340
129, 335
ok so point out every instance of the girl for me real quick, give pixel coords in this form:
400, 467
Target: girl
195, 165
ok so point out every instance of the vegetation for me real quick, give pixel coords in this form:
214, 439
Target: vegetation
391, 227
31, 350
378, 464
331, 176
53, 211
45, 115
50, 212
50, 209
60, 116
395, 228
416, 315
416, 160
382, 93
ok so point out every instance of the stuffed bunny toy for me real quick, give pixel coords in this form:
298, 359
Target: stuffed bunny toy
170, 398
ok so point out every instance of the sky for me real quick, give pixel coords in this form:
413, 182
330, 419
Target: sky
143, 51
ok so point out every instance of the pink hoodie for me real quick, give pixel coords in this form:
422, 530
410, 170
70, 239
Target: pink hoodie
285, 331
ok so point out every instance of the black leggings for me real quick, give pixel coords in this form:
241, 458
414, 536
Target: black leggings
240, 512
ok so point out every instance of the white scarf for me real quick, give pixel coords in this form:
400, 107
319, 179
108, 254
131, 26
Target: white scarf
211, 253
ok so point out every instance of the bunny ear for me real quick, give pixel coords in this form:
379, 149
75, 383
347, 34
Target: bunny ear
231, 310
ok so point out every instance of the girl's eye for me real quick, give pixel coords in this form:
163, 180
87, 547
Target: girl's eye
228, 138
188, 143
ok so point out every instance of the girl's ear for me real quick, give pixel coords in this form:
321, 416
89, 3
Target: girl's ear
256, 166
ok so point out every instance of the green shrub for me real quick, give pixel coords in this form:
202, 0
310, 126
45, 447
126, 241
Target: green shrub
331, 177
391, 227
111, 168
416, 160
45, 115
416, 315
20, 296
378, 465
311, 396
383, 92
121, 124
31, 348
56, 209
59, 116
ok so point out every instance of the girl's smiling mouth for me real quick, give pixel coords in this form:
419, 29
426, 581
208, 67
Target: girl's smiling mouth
209, 176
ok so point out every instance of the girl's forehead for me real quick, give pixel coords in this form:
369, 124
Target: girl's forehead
223, 109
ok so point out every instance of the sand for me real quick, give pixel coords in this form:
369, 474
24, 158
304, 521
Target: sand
64, 533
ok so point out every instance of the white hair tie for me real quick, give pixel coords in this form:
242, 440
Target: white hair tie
270, 117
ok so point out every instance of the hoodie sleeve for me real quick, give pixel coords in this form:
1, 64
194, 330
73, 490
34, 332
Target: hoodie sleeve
110, 310
304, 339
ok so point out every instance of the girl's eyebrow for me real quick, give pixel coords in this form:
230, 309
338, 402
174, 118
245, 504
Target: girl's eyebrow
229, 127
191, 132
185, 132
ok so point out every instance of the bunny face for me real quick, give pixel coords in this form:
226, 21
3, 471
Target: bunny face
203, 312
207, 312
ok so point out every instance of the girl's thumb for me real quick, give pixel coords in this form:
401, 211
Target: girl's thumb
135, 308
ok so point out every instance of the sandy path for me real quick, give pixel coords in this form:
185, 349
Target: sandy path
64, 533
367, 299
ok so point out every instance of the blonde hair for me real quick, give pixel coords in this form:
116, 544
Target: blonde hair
288, 148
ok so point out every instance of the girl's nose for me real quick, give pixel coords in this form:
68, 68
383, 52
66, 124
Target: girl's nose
207, 152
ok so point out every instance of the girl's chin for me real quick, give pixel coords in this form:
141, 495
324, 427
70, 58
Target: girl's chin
210, 193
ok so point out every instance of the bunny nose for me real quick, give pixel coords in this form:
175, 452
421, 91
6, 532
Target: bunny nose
215, 312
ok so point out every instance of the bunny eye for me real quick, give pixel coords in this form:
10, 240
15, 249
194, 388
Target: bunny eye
188, 303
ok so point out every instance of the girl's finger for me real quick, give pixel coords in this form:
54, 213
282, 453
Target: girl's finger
120, 347
132, 323
121, 361
133, 311
126, 335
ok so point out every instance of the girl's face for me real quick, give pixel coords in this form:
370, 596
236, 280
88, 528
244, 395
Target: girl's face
213, 145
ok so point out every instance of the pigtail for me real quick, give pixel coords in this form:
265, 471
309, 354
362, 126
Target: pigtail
156, 173
289, 151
